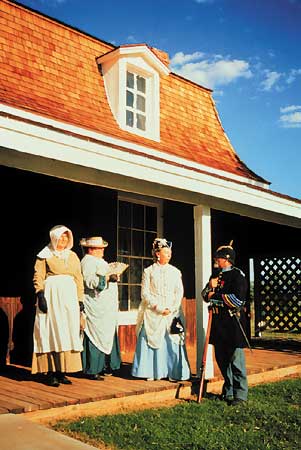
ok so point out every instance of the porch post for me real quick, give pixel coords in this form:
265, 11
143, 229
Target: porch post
202, 239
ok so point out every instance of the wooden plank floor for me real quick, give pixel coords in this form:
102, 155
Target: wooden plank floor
21, 392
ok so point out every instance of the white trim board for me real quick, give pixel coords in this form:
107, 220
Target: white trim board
125, 144
28, 139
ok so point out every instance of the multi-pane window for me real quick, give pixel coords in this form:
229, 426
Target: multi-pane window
135, 101
137, 229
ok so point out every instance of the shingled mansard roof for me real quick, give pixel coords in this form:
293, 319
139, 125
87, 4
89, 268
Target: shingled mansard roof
50, 69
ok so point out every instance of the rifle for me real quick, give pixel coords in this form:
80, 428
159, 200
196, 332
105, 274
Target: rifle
204, 358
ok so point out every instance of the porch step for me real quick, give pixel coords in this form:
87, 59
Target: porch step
169, 396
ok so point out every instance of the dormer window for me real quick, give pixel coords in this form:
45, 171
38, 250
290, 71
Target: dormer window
132, 82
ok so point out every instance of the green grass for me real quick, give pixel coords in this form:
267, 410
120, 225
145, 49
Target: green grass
270, 420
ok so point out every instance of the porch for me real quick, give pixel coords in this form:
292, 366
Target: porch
22, 393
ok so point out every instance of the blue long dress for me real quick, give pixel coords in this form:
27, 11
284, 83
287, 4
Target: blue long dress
160, 354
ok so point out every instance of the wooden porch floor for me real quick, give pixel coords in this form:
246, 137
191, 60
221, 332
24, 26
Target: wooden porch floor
20, 392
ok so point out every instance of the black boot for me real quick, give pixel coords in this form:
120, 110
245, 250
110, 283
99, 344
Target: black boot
52, 380
62, 378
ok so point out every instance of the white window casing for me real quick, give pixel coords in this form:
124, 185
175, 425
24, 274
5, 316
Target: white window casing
140, 61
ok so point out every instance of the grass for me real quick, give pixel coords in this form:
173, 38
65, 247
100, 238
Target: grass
270, 420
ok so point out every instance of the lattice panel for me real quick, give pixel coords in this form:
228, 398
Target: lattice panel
280, 293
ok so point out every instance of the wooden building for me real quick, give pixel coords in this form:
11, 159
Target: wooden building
108, 141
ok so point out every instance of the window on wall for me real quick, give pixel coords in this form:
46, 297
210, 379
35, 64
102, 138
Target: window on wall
137, 228
136, 101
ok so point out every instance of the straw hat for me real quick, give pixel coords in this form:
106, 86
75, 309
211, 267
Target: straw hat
94, 241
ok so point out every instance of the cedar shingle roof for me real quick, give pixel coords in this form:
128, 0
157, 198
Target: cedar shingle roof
50, 69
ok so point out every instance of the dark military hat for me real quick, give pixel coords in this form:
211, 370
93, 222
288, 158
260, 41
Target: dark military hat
226, 252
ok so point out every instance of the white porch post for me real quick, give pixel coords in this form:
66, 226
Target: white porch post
202, 238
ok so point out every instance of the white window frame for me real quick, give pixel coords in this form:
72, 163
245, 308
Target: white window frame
134, 109
152, 98
130, 317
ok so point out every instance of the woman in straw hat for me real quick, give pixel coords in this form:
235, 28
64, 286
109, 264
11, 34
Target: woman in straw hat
59, 286
160, 350
101, 355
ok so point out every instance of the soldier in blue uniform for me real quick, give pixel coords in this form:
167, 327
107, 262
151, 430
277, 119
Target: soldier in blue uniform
227, 296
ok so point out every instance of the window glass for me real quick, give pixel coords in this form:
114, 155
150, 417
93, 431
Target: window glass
141, 103
149, 239
140, 122
137, 229
124, 241
141, 84
129, 118
125, 209
130, 80
137, 243
138, 216
124, 277
136, 101
151, 218
123, 292
129, 99
135, 270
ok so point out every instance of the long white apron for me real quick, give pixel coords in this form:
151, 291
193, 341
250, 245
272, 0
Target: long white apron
59, 329
101, 310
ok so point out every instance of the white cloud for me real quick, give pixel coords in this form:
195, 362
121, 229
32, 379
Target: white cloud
212, 71
292, 75
271, 79
286, 109
293, 118
180, 58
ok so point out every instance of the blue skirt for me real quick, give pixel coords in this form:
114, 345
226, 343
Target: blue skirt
169, 361
95, 361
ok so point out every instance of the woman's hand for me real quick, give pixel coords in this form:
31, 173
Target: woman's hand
113, 278
165, 312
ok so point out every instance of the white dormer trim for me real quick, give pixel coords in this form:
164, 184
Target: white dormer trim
140, 61
141, 50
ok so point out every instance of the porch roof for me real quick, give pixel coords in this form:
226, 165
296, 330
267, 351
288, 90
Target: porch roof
50, 69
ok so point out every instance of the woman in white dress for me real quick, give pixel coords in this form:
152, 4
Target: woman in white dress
160, 353
59, 287
101, 355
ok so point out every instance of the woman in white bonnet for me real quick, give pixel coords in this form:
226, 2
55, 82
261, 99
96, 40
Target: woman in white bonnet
101, 355
160, 350
59, 287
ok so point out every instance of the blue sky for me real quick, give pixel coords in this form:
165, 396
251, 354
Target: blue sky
247, 51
